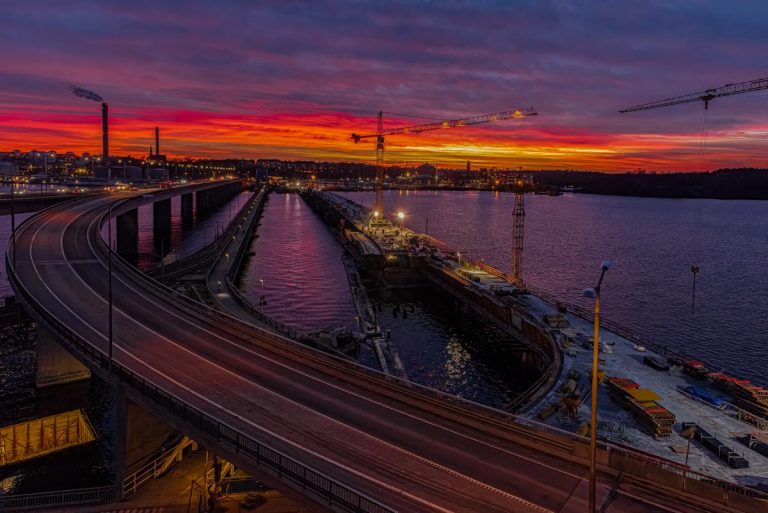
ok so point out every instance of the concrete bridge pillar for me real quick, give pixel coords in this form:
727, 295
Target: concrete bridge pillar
215, 198
187, 210
161, 223
56, 365
127, 227
203, 202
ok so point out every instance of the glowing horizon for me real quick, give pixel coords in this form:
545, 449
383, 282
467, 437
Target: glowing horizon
220, 85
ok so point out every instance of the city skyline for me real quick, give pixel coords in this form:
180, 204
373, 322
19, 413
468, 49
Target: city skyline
234, 80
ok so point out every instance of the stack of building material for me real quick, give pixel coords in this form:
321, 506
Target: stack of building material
754, 443
643, 403
556, 321
706, 396
695, 369
748, 396
725, 453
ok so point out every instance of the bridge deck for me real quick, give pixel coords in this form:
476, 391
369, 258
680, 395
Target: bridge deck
394, 444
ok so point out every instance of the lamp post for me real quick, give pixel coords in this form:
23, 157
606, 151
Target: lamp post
109, 270
594, 293
13, 220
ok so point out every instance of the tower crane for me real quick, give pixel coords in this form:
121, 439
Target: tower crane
704, 96
449, 123
707, 96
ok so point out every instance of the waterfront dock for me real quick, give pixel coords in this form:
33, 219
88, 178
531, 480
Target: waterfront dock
566, 330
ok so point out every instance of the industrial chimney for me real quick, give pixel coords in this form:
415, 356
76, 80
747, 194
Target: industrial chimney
104, 134
157, 141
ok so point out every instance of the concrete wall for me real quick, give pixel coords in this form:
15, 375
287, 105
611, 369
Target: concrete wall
140, 434
56, 365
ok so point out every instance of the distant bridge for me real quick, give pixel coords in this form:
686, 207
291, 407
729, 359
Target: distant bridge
342, 436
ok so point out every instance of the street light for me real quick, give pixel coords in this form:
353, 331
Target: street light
109, 270
594, 293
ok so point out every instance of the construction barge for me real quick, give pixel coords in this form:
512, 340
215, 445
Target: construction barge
648, 395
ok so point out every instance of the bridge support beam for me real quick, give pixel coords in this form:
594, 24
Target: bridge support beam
55, 365
127, 227
187, 210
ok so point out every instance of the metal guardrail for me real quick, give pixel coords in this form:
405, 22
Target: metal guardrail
156, 466
29, 501
312, 481
266, 459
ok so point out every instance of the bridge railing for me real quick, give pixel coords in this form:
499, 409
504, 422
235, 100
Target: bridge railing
58, 499
267, 459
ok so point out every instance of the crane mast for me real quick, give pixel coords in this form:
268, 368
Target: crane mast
518, 228
381, 134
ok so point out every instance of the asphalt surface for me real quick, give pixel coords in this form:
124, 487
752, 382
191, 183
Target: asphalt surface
382, 440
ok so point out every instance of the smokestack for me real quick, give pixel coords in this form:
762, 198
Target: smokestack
157, 141
104, 134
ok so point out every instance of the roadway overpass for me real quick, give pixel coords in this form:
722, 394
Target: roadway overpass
342, 436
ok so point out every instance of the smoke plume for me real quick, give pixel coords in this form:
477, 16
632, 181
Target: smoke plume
85, 93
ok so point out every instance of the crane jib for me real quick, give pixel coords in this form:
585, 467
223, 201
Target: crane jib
704, 96
451, 123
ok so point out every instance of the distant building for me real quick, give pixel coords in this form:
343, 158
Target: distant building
8, 168
426, 169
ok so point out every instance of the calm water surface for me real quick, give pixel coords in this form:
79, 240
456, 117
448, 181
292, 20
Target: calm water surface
297, 267
652, 244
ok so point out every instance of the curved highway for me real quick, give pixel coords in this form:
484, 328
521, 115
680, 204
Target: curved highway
406, 449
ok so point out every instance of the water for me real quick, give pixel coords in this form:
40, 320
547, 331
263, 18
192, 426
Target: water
305, 286
444, 348
652, 244
297, 267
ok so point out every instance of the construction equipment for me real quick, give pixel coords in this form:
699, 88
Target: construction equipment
707, 96
518, 228
704, 96
450, 123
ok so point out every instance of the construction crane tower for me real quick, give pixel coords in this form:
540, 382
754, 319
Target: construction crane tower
707, 96
518, 228
381, 134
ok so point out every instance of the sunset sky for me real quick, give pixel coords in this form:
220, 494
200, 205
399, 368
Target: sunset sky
291, 80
